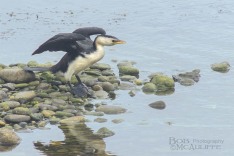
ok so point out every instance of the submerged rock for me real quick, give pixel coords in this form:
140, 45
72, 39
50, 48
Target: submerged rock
100, 120
222, 67
16, 75
8, 137
149, 88
110, 109
158, 105
163, 82
104, 132
187, 78
117, 121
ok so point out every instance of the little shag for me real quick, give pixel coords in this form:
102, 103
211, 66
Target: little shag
81, 53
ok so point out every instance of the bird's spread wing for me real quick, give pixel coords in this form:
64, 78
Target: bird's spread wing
88, 31
61, 42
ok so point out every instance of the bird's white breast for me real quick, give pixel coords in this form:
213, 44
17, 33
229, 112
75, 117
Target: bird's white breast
81, 63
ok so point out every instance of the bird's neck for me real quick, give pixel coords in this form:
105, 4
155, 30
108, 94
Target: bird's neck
98, 47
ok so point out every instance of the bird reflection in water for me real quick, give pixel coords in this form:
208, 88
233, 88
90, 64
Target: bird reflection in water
79, 141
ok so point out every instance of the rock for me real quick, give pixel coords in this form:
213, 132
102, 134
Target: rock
94, 113
2, 81
100, 66
138, 82
23, 124
3, 95
16, 75
127, 86
128, 78
10, 86
36, 116
132, 93
21, 111
8, 138
94, 72
104, 132
125, 63
107, 86
14, 118
43, 86
32, 64
73, 120
117, 121
163, 82
2, 123
89, 80
25, 95
108, 73
187, 78
48, 107
128, 70
34, 83
58, 102
54, 120
21, 85
110, 109
48, 113
42, 123
10, 104
101, 94
158, 105
149, 88
48, 76
222, 67
96, 88
62, 114
100, 120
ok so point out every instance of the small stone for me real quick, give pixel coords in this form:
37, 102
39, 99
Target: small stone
10, 104
42, 123
8, 138
96, 88
58, 102
48, 113
158, 105
3, 95
61, 114
16, 75
48, 76
21, 111
222, 67
14, 118
73, 120
104, 132
127, 86
10, 86
138, 82
100, 66
101, 94
21, 85
128, 70
43, 86
34, 83
94, 113
54, 120
2, 123
117, 121
149, 88
108, 73
25, 95
36, 116
163, 82
110, 109
128, 78
107, 86
100, 120
23, 124
132, 93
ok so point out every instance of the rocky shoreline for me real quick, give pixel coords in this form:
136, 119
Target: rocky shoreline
31, 100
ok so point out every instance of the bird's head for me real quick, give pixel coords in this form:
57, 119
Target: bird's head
107, 40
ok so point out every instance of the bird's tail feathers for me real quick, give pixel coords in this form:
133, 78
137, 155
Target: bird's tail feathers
39, 69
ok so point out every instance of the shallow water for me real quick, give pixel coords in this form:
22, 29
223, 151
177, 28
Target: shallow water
162, 36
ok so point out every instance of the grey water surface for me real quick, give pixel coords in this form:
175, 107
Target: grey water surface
168, 36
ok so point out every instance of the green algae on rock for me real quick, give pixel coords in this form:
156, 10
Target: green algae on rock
163, 82
222, 67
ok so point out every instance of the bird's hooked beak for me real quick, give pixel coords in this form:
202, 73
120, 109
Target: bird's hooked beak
118, 41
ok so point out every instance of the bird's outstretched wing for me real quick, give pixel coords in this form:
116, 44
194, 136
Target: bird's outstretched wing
88, 31
66, 42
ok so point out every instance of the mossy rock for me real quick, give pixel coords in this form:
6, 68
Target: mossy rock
21, 111
48, 76
32, 64
21, 85
128, 70
149, 88
48, 113
222, 67
163, 82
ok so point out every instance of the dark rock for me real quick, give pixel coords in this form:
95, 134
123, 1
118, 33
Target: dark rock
187, 78
158, 105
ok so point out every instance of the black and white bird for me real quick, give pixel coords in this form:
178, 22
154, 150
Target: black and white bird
81, 53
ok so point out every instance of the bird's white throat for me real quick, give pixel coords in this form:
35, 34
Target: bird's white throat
81, 63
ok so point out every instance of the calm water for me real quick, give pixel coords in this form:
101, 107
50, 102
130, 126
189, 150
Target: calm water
162, 36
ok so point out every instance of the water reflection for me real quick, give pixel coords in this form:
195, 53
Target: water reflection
79, 141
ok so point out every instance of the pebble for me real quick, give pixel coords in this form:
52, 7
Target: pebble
110, 109
100, 120
10, 104
149, 88
25, 95
222, 67
3, 95
129, 78
48, 113
73, 120
21, 111
104, 132
107, 86
117, 121
14, 118
158, 105
9, 86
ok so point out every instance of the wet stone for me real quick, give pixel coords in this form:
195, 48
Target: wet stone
104, 132
117, 121
94, 113
48, 113
110, 109
73, 120
36, 116
128, 78
100, 120
107, 86
222, 67
21, 111
8, 137
128, 70
163, 82
158, 105
9, 86
10, 104
100, 66
61, 114
187, 78
149, 88
3, 95
25, 95
14, 118
101, 94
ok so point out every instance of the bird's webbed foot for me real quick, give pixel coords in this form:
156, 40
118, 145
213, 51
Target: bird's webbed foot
80, 90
